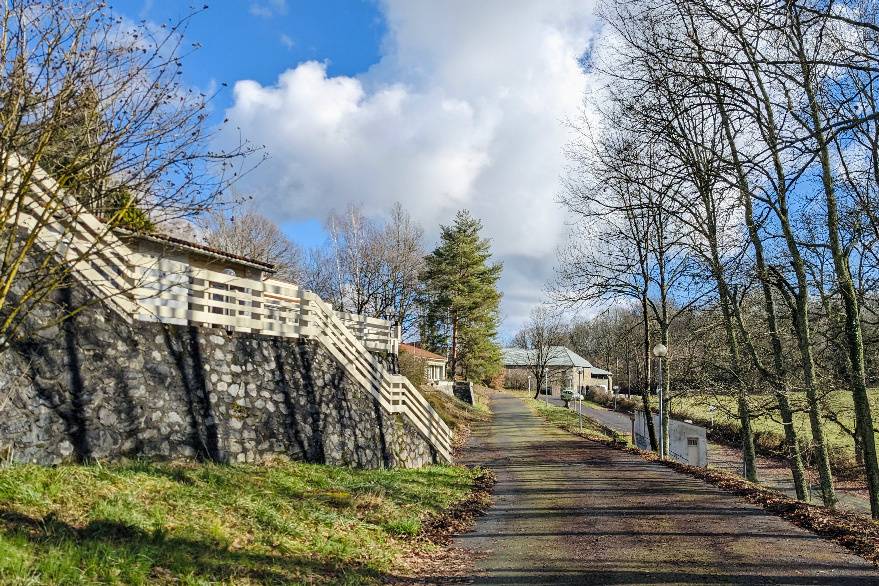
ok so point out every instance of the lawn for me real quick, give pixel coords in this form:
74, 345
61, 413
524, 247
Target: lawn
567, 419
150, 523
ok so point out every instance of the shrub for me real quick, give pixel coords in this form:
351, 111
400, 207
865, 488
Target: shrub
516, 379
413, 368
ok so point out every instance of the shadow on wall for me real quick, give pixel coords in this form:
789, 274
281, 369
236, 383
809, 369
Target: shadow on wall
185, 349
315, 450
48, 369
96, 387
326, 399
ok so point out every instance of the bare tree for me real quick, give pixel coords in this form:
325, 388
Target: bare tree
254, 236
540, 337
766, 111
629, 242
657, 104
608, 252
377, 265
357, 255
403, 243
94, 119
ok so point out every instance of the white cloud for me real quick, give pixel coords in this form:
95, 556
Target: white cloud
287, 41
268, 8
465, 109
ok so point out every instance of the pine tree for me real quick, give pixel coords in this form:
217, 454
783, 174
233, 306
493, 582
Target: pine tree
461, 301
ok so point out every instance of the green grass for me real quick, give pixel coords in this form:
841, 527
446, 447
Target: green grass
567, 419
146, 523
455, 412
768, 423
481, 395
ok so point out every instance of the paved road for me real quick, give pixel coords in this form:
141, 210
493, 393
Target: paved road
569, 511
774, 472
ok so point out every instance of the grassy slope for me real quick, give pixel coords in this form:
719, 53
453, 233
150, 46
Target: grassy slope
457, 414
202, 523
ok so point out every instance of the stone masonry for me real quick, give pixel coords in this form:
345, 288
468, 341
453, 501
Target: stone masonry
96, 387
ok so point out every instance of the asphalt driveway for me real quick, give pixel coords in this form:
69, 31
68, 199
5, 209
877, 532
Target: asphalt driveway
570, 511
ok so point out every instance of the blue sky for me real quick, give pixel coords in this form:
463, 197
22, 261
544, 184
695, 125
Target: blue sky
258, 40
437, 104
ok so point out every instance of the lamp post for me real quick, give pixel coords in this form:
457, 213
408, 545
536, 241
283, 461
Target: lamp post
660, 351
580, 410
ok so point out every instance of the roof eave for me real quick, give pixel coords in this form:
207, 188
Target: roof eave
199, 249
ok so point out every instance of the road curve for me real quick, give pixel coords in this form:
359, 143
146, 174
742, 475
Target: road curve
570, 511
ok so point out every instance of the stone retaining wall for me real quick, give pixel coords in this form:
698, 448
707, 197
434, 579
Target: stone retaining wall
96, 387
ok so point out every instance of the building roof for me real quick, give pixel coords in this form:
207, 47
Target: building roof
600, 371
421, 352
559, 356
200, 248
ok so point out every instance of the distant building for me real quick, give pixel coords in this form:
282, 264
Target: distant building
434, 364
566, 370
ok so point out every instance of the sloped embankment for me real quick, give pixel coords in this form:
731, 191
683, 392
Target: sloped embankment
151, 523
457, 414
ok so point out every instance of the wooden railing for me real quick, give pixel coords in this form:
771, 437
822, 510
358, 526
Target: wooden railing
154, 288
378, 335
87, 247
188, 295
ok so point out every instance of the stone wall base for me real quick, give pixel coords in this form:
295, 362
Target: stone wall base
96, 387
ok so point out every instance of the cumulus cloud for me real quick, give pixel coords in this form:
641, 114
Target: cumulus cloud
465, 109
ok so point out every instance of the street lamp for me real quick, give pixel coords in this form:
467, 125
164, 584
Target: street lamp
660, 351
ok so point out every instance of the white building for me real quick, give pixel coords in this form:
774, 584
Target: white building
566, 369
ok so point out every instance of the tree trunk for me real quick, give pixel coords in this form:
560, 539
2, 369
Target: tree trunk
819, 442
666, 387
859, 445
665, 415
453, 358
645, 389
749, 456
792, 447
778, 376
538, 376
852, 327
800, 314
765, 118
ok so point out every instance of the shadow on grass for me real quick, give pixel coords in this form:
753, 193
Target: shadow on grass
164, 559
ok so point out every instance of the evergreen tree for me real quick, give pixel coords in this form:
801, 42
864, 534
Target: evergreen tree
81, 158
461, 301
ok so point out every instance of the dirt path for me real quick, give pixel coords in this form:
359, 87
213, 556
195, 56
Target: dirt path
569, 511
